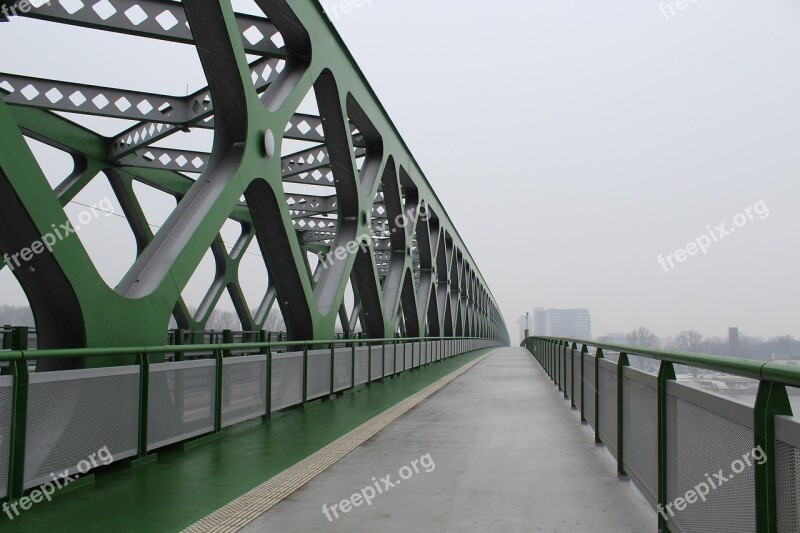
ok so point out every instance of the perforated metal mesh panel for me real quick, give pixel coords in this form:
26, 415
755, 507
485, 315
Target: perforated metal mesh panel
377, 359
608, 407
787, 471
181, 404
588, 389
319, 373
6, 383
362, 365
390, 360
76, 413
700, 443
244, 388
287, 380
640, 412
343, 365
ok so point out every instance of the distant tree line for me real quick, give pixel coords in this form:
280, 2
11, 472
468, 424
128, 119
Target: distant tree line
784, 346
13, 315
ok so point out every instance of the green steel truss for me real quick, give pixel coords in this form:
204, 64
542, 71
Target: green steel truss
411, 274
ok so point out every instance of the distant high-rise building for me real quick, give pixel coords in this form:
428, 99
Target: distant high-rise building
733, 342
572, 323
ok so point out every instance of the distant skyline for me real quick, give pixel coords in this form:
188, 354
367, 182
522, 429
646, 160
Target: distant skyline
573, 144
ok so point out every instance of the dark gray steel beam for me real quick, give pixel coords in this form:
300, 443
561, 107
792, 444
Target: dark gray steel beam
156, 19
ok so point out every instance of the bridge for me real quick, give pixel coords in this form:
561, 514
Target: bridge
366, 381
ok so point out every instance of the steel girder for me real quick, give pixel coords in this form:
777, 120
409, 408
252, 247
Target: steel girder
407, 265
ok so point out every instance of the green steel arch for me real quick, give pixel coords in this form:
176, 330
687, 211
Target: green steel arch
376, 222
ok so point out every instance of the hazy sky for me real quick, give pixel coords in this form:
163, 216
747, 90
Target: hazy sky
572, 143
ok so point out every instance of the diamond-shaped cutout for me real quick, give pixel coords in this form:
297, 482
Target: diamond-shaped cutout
104, 9
71, 6
266, 73
136, 15
54, 95
7, 87
277, 40
197, 162
253, 35
321, 130
144, 107
304, 127
123, 104
181, 160
165, 159
29, 92
77, 98
167, 20
100, 101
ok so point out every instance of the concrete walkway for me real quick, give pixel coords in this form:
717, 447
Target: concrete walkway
495, 450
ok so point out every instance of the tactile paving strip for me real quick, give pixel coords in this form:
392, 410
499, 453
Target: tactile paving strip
247, 508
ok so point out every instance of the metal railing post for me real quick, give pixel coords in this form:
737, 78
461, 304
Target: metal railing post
621, 364
267, 350
666, 373
598, 355
353, 365
369, 363
584, 351
218, 393
772, 400
564, 348
333, 362
558, 363
572, 377
19, 424
305, 373
144, 403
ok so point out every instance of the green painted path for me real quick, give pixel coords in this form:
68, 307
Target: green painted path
184, 486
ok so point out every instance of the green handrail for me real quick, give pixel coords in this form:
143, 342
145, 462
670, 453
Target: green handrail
771, 401
18, 358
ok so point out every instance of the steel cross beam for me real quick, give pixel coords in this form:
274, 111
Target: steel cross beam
407, 267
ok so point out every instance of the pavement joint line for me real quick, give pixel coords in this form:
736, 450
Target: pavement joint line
247, 508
